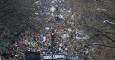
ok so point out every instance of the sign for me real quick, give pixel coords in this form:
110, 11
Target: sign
54, 57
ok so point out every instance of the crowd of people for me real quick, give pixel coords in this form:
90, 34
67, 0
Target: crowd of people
38, 42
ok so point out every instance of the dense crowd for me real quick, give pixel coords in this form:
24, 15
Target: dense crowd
35, 42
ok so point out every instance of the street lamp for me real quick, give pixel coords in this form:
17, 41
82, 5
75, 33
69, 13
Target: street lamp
52, 33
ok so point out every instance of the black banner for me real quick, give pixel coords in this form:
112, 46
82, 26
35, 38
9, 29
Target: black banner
32, 55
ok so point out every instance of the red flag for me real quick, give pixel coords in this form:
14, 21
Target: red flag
35, 33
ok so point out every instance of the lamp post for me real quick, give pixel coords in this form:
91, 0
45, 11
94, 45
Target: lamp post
52, 42
52, 35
